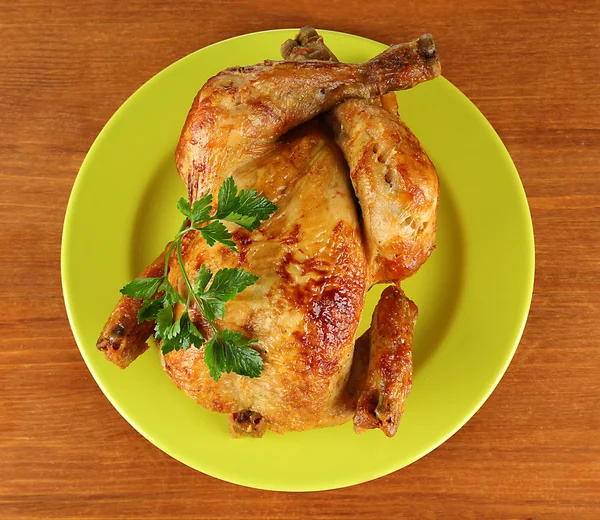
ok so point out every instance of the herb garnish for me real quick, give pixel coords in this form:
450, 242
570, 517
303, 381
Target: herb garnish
226, 351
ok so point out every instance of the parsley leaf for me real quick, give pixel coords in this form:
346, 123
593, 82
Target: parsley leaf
201, 208
246, 209
226, 351
149, 310
202, 278
217, 232
174, 329
230, 352
189, 334
227, 196
249, 203
227, 283
243, 360
168, 345
240, 358
164, 322
184, 207
142, 287
181, 335
246, 221
171, 296
214, 357
213, 309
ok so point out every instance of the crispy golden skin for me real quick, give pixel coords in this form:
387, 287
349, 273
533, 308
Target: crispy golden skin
310, 257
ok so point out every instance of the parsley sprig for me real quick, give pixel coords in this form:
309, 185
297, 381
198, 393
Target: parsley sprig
226, 351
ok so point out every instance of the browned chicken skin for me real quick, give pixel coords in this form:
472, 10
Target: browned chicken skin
313, 265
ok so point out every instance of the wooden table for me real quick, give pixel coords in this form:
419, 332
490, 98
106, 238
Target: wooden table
532, 451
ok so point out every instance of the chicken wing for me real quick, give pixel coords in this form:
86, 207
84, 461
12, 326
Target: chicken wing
389, 376
123, 339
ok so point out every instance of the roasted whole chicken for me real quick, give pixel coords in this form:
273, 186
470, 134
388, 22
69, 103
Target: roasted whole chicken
315, 136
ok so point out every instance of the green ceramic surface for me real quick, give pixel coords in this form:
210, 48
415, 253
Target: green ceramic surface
473, 294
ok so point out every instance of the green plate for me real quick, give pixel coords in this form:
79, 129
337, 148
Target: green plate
473, 293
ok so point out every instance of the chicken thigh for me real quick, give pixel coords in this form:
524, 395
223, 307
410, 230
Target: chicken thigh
395, 182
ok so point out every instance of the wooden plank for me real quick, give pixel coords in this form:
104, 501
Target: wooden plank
532, 451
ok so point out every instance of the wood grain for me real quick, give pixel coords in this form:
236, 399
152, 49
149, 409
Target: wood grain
532, 451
